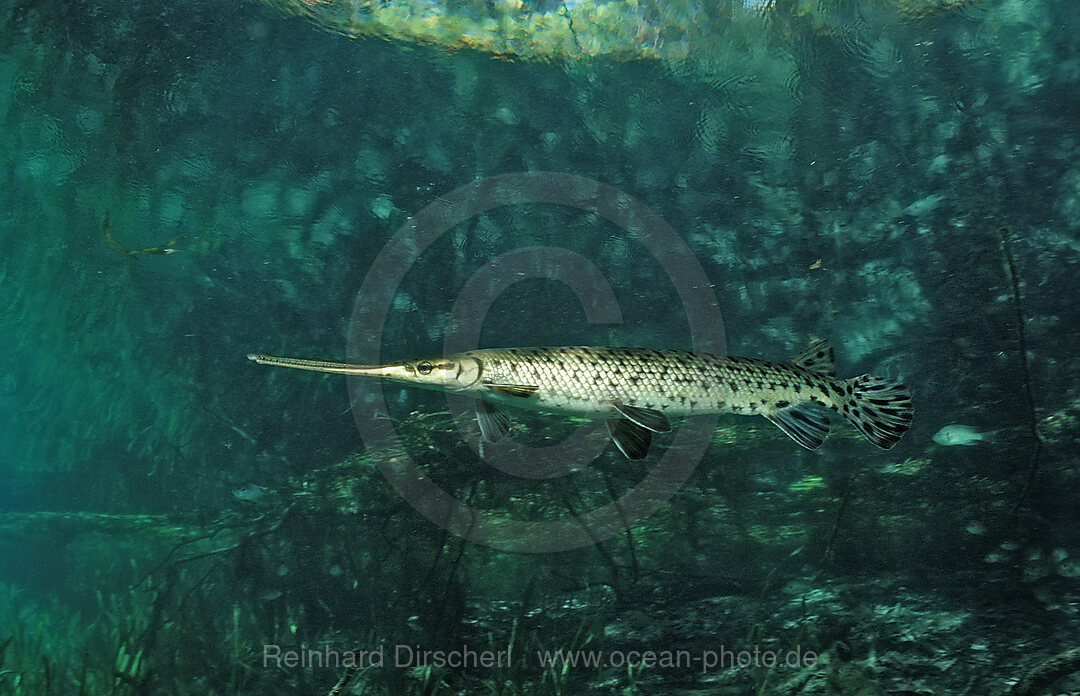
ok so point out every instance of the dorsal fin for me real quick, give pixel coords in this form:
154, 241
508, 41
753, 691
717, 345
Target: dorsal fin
817, 358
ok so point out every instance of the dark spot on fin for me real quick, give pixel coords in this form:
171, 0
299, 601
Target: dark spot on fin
631, 439
817, 358
647, 418
494, 421
804, 423
880, 408
522, 391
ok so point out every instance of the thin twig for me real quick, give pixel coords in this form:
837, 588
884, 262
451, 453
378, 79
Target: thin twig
168, 560
350, 672
1025, 372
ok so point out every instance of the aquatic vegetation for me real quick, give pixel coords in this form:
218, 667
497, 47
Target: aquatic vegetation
51, 648
287, 567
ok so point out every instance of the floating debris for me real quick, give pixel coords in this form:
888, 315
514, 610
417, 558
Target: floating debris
806, 484
132, 254
621, 29
909, 467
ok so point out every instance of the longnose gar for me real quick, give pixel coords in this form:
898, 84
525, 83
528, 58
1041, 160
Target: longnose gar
636, 389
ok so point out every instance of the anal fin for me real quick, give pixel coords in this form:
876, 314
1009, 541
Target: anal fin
632, 439
805, 423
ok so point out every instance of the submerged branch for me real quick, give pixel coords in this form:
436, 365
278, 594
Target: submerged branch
1025, 371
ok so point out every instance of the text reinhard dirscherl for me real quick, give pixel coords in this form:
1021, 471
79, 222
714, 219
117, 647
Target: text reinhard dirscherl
466, 657
403, 656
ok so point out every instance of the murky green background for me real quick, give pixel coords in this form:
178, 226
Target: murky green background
845, 171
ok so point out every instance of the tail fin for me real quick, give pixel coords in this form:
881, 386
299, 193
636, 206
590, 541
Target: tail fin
880, 408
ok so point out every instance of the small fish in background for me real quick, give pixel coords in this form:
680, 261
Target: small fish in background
975, 527
250, 493
957, 434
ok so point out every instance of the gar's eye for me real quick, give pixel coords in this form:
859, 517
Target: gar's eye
424, 367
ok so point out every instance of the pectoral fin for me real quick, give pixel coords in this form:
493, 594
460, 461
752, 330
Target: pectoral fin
804, 423
647, 418
493, 419
522, 391
632, 439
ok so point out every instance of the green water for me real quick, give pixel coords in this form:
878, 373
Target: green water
172, 514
